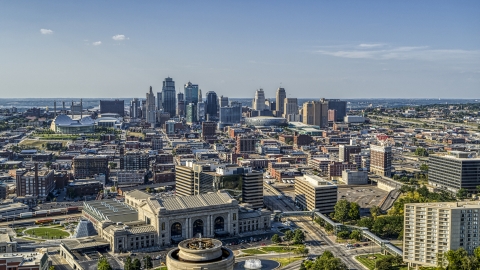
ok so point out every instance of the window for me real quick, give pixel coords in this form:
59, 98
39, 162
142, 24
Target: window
234, 216
163, 226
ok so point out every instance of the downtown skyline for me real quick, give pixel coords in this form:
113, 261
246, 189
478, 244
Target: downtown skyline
313, 49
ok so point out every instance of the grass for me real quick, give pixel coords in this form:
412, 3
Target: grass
370, 263
33, 143
286, 261
57, 136
48, 233
253, 251
136, 134
32, 239
278, 249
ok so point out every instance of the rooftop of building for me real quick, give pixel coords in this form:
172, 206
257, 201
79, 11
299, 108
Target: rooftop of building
315, 181
41, 173
460, 155
137, 227
113, 210
24, 258
447, 205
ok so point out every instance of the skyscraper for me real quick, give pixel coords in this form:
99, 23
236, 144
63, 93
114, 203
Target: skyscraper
223, 101
212, 105
200, 96
191, 113
315, 113
180, 104
230, 116
168, 96
259, 100
201, 111
135, 108
290, 106
191, 93
339, 106
159, 101
281, 95
150, 107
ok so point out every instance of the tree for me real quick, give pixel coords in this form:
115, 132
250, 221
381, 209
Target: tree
301, 251
148, 262
148, 190
112, 165
342, 209
354, 212
128, 263
424, 167
299, 236
51, 268
103, 264
276, 239
420, 151
356, 235
343, 234
136, 265
366, 222
288, 235
328, 261
462, 194
375, 211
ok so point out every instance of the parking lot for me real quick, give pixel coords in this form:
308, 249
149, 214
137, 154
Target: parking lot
365, 196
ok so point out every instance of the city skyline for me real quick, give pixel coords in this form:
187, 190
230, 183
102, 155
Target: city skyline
340, 50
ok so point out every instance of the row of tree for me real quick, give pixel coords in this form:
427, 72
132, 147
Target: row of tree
129, 264
297, 237
324, 262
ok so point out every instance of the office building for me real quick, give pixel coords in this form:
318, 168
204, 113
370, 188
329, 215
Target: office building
191, 113
290, 106
180, 104
315, 113
223, 101
259, 101
230, 116
313, 192
280, 101
338, 106
431, 229
200, 97
184, 180
208, 129
159, 101
352, 177
168, 96
252, 189
201, 106
112, 106
134, 160
35, 182
89, 166
454, 170
157, 143
245, 144
381, 160
344, 152
191, 93
212, 104
135, 108
151, 112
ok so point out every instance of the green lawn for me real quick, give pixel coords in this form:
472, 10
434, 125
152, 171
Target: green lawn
286, 261
47, 233
253, 251
368, 262
278, 249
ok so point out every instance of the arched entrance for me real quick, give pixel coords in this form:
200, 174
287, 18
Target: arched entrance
197, 228
219, 225
176, 230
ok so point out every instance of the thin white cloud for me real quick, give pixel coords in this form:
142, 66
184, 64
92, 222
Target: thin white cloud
375, 45
386, 52
119, 37
46, 31
97, 43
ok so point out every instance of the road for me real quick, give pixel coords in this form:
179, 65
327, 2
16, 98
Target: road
23, 220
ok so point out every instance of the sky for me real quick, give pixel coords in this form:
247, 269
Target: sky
313, 49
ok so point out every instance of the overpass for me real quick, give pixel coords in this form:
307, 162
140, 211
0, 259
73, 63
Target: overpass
385, 245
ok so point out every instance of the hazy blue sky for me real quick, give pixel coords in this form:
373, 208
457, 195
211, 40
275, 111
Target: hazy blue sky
333, 49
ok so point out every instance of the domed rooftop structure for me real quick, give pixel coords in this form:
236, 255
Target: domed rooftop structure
66, 125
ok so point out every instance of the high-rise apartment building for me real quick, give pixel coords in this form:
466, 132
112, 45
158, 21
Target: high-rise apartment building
281, 95
157, 143
454, 170
315, 113
113, 106
313, 192
191, 93
168, 96
381, 160
431, 229
212, 104
252, 189
151, 112
259, 100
